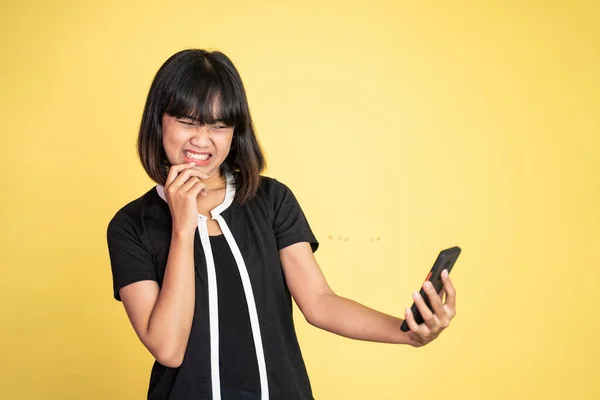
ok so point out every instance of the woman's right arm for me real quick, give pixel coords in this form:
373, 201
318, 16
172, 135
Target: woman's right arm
162, 318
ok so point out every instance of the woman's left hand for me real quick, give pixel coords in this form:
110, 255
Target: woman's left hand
433, 322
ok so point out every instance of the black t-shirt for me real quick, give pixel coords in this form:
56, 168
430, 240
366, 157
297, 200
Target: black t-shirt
139, 239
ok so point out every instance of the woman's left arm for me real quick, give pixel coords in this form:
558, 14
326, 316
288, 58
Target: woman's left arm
326, 310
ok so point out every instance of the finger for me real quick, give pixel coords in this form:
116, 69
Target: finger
434, 299
450, 294
442, 294
187, 174
183, 177
179, 174
179, 181
410, 320
174, 172
199, 174
199, 188
428, 317
189, 184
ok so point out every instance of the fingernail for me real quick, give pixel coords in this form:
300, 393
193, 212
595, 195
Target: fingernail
428, 285
416, 295
445, 273
408, 310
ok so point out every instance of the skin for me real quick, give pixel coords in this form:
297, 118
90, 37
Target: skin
162, 318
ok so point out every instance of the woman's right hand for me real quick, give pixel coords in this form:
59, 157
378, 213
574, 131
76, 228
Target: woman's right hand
182, 188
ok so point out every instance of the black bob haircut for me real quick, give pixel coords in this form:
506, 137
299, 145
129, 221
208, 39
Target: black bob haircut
189, 84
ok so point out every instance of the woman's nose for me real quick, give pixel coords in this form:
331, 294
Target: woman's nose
201, 134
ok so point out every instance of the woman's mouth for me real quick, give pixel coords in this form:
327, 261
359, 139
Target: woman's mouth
198, 158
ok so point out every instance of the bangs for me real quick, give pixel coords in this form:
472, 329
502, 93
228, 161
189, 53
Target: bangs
205, 97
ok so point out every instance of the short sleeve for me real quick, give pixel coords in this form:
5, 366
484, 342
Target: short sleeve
130, 260
289, 223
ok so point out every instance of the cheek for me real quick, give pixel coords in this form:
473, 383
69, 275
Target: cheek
230, 139
225, 142
172, 143
173, 139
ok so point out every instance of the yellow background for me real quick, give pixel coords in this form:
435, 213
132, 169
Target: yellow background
402, 127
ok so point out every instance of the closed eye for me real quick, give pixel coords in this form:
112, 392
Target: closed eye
186, 122
219, 125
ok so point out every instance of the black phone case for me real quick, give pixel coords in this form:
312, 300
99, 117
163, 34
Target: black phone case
445, 260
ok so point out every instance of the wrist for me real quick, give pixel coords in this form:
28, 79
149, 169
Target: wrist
182, 234
404, 337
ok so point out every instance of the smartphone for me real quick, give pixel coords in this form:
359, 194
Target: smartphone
445, 260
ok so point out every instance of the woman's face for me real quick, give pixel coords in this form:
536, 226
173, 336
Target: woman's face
185, 140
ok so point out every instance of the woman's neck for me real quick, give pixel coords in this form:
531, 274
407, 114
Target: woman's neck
215, 182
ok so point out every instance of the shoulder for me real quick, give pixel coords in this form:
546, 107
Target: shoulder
276, 195
131, 214
271, 188
273, 193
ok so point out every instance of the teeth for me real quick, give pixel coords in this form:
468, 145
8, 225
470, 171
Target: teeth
199, 157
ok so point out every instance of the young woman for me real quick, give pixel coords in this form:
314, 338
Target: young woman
206, 262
